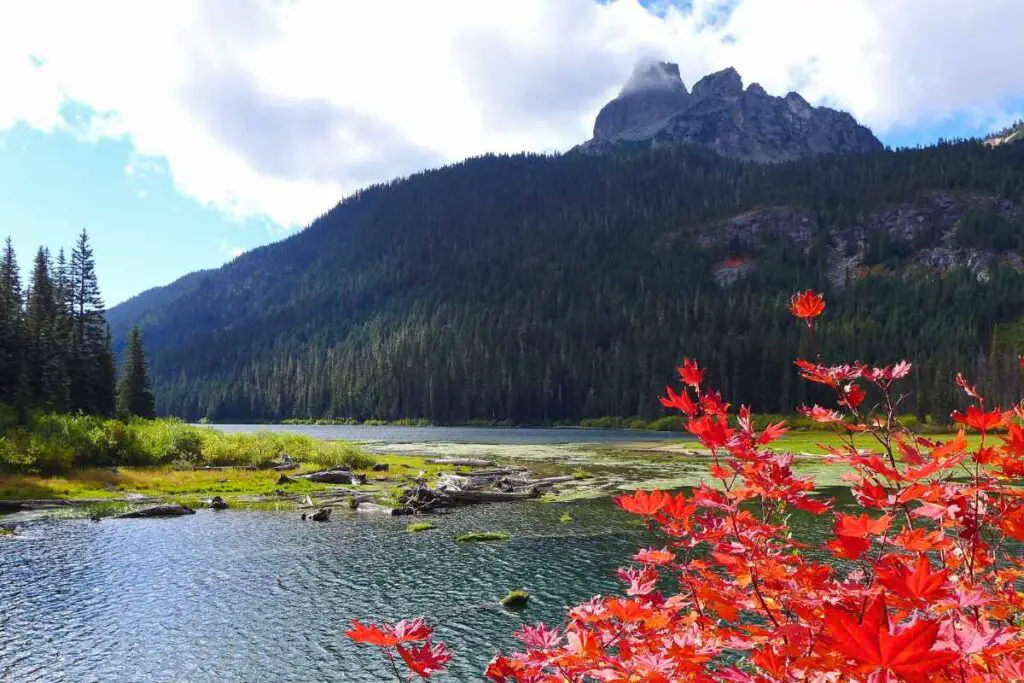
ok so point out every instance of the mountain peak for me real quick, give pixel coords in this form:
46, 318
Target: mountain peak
650, 76
653, 109
724, 83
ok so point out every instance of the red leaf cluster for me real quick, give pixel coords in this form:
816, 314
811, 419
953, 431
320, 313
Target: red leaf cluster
921, 580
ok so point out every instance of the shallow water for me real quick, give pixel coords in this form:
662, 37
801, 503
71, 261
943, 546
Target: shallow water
262, 596
523, 436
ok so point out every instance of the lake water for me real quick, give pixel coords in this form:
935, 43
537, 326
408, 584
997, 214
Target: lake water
509, 436
263, 596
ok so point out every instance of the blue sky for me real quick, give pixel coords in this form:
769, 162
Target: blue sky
182, 137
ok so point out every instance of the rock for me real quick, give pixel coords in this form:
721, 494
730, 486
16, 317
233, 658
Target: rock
322, 515
334, 477
218, 503
167, 510
381, 467
654, 110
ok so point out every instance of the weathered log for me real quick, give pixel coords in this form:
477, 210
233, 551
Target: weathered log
471, 497
251, 468
285, 479
287, 467
549, 481
462, 462
167, 510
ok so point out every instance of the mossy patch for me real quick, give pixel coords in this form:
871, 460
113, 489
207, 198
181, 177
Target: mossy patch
417, 527
566, 518
482, 536
516, 599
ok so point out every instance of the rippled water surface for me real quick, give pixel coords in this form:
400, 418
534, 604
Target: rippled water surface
260, 596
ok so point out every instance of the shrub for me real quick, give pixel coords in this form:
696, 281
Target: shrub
920, 581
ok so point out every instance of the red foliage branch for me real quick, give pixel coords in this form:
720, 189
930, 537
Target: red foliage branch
920, 581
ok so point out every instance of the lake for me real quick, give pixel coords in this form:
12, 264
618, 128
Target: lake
263, 596
509, 436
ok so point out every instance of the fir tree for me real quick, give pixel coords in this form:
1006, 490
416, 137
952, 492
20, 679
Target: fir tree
46, 375
11, 327
134, 392
88, 334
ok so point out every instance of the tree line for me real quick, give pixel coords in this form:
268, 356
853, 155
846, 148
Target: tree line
56, 348
543, 288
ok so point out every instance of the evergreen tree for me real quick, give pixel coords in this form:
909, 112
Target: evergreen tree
47, 376
88, 344
11, 328
106, 376
134, 392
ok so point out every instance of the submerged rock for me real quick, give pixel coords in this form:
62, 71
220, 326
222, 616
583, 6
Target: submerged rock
218, 503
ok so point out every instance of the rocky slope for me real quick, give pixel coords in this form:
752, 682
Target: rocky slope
1014, 133
654, 109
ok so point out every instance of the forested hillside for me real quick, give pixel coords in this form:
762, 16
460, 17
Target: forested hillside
545, 288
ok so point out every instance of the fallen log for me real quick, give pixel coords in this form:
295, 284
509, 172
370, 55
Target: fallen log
168, 510
462, 462
471, 497
549, 481
251, 468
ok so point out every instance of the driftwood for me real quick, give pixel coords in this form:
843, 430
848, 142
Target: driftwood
285, 468
462, 462
471, 497
251, 468
167, 510
47, 503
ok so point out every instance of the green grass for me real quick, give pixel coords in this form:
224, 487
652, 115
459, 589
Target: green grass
54, 444
482, 536
417, 527
813, 442
516, 599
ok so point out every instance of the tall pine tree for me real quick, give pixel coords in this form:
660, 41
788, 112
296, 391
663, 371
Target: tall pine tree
134, 391
11, 328
44, 342
92, 389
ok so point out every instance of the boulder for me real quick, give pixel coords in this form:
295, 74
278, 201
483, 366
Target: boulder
322, 515
166, 510
218, 503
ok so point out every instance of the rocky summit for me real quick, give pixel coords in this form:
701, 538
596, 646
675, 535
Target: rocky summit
654, 109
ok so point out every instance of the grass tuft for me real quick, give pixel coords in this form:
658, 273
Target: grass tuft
417, 527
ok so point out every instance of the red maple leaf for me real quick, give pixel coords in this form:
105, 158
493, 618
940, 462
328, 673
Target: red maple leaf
643, 502
879, 649
691, 373
372, 634
979, 419
427, 659
681, 401
921, 583
807, 305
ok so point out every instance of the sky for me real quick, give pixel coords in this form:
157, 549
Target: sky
182, 133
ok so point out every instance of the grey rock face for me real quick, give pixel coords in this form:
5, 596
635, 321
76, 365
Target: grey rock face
654, 109
653, 93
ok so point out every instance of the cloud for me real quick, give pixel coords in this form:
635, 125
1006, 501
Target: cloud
273, 109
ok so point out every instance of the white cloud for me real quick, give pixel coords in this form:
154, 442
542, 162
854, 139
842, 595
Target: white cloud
264, 107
